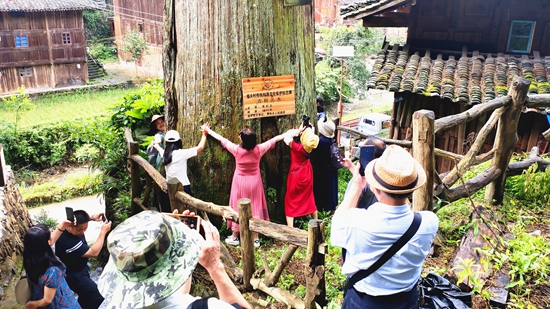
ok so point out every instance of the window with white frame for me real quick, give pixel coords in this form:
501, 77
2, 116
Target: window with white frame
520, 37
21, 41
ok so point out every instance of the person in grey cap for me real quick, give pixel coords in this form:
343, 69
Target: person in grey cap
152, 258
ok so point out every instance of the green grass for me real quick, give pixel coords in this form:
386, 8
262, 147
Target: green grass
65, 106
80, 183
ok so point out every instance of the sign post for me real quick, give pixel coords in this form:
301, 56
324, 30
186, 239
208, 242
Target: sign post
341, 52
268, 96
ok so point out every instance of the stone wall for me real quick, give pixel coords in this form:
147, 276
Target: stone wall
14, 223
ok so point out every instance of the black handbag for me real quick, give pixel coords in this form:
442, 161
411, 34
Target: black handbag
362, 274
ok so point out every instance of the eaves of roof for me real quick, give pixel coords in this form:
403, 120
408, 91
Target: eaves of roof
48, 5
362, 8
469, 79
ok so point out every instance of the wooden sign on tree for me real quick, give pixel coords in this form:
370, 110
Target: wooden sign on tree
268, 96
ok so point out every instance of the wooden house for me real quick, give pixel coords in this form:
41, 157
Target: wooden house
42, 44
144, 16
460, 53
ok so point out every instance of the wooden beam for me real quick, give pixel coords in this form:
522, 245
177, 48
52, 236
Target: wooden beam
247, 246
386, 21
315, 266
444, 123
282, 296
506, 138
272, 277
517, 168
284, 233
423, 151
226, 212
135, 182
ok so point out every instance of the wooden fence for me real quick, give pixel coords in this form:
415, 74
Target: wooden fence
505, 115
312, 239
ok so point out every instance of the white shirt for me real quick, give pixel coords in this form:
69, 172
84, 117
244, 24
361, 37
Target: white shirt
176, 171
367, 233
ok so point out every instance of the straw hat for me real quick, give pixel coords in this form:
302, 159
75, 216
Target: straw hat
152, 256
309, 140
172, 136
326, 128
152, 126
396, 171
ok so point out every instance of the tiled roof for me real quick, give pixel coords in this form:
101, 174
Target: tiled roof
361, 7
473, 80
46, 5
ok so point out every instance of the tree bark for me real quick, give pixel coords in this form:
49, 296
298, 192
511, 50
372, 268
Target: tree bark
506, 138
209, 47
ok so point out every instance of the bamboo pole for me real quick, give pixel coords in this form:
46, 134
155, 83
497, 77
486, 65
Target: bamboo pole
247, 247
506, 138
423, 152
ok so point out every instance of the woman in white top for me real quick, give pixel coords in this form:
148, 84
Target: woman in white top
175, 158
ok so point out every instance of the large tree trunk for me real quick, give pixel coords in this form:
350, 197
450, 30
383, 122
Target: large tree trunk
209, 46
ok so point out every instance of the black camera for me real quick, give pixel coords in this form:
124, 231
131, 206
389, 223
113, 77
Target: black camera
305, 121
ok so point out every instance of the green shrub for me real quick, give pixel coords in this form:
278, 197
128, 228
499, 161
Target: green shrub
43, 146
531, 189
104, 51
48, 221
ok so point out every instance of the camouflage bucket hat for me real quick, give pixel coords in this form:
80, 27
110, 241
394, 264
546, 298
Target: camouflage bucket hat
152, 256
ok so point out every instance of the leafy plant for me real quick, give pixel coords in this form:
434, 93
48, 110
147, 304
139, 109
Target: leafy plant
43, 218
135, 45
468, 272
86, 153
104, 51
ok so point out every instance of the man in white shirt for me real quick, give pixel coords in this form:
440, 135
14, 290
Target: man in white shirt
367, 233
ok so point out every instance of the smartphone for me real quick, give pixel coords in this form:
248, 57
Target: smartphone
366, 155
70, 214
193, 222
341, 153
103, 218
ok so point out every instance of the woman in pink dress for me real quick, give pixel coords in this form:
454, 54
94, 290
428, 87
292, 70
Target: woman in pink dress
247, 180
299, 198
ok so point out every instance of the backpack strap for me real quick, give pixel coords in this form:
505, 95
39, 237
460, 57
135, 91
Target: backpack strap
201, 303
362, 274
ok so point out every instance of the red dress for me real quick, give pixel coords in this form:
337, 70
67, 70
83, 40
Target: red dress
299, 199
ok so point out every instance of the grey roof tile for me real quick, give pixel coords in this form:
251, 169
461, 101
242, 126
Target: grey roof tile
470, 79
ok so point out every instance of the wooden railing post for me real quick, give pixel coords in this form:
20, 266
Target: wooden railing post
423, 151
506, 138
315, 266
247, 247
3, 170
133, 148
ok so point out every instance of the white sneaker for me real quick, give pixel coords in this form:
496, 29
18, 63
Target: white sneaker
232, 241
256, 243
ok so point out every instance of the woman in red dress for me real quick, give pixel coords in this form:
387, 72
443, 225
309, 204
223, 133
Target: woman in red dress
299, 199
